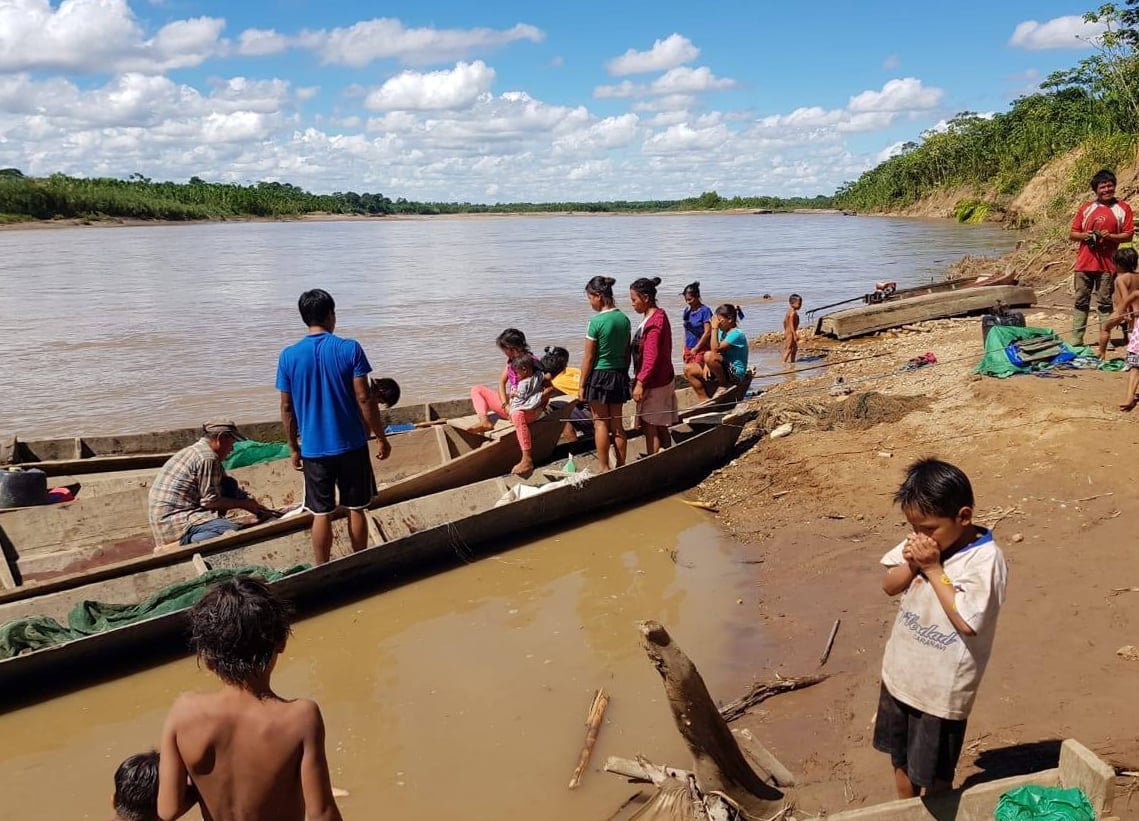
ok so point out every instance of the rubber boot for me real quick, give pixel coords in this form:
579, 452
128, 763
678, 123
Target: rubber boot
1079, 325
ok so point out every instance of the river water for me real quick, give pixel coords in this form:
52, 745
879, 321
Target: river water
110, 330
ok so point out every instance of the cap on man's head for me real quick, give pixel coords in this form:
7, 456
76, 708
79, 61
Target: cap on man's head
216, 427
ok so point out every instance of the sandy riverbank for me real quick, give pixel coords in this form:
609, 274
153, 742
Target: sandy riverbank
1052, 462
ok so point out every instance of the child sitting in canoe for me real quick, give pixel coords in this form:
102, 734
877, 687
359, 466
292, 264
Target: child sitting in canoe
526, 401
512, 343
249, 753
1125, 299
136, 788
565, 381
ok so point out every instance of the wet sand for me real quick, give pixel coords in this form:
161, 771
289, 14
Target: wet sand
463, 695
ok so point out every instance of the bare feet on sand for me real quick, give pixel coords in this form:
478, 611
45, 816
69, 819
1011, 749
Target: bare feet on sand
1129, 406
523, 468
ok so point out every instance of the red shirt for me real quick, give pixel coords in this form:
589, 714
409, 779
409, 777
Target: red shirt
652, 351
1095, 216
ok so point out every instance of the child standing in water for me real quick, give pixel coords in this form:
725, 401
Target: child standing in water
605, 370
697, 319
654, 388
512, 343
526, 397
249, 753
791, 328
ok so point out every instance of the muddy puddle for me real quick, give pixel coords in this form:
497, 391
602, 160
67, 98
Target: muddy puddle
463, 695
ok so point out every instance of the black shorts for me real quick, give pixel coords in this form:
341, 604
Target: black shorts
608, 387
925, 746
350, 473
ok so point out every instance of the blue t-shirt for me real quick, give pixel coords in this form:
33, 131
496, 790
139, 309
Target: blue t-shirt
694, 322
735, 356
317, 373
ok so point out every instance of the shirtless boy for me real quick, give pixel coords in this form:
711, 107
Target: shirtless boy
791, 328
136, 788
1125, 299
250, 754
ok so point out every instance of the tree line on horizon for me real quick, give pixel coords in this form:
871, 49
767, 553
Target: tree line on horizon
1093, 105
64, 197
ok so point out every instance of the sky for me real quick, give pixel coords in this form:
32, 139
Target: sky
509, 101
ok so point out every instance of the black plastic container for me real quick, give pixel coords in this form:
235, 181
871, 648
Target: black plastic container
22, 487
1008, 318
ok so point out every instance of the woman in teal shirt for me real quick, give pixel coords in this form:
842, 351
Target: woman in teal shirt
726, 362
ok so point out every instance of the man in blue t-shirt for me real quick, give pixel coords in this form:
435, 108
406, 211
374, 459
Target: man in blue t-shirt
326, 401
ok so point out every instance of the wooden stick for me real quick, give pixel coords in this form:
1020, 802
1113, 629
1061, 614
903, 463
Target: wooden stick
593, 727
761, 691
830, 643
1097, 496
701, 505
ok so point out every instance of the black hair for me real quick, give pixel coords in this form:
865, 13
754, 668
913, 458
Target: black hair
1125, 259
794, 297
237, 628
136, 788
692, 289
935, 488
602, 287
386, 391
1101, 177
513, 338
731, 311
555, 361
316, 306
646, 287
524, 361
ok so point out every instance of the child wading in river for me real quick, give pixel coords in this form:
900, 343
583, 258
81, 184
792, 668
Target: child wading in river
249, 753
951, 575
136, 788
791, 329
526, 399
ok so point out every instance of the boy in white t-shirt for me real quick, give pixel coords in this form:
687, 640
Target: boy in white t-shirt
952, 576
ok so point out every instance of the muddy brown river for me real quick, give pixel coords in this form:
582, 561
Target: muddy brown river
463, 695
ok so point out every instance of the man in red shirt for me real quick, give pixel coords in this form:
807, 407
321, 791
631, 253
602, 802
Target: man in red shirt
1099, 226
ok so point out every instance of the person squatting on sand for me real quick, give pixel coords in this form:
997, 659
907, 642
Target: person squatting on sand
243, 752
605, 370
327, 401
951, 576
654, 388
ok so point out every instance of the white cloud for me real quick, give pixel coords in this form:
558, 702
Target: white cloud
669, 102
676, 81
891, 62
683, 137
607, 134
908, 94
387, 38
892, 150
433, 91
673, 50
306, 93
261, 43
98, 36
1060, 32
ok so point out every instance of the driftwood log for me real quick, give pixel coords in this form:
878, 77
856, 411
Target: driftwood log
718, 763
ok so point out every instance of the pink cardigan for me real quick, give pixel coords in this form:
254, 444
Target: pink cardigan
652, 351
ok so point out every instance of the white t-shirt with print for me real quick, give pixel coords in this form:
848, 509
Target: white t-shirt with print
927, 664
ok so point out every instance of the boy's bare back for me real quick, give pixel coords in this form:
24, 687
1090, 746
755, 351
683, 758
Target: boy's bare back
252, 758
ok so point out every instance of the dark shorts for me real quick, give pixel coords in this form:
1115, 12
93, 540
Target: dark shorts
608, 387
925, 746
349, 473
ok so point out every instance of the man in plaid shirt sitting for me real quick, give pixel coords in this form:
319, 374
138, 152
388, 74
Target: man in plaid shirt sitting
191, 494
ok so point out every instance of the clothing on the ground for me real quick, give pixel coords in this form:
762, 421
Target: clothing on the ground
209, 530
610, 329
928, 664
658, 406
608, 387
1102, 285
652, 351
694, 322
925, 746
735, 355
522, 420
1095, 216
568, 381
190, 478
349, 473
526, 395
317, 372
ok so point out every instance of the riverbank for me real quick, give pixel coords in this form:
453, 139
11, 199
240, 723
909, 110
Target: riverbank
1052, 464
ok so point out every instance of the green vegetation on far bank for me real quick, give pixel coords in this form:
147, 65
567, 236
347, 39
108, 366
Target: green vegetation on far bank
25, 198
1093, 107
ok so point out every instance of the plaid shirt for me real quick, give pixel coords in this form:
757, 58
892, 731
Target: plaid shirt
189, 479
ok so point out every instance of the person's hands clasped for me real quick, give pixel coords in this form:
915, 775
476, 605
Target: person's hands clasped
922, 551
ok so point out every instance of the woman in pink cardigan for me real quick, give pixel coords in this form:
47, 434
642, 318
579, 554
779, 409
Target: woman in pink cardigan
654, 388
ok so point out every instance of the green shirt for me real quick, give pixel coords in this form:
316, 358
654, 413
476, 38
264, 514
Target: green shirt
610, 329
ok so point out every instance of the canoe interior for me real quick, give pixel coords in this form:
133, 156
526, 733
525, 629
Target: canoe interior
409, 539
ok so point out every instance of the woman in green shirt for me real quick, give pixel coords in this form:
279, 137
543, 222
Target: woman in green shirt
605, 370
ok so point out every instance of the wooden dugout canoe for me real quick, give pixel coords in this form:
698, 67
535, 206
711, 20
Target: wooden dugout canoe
409, 539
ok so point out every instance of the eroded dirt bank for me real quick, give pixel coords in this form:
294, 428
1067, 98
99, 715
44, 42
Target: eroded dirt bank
1053, 462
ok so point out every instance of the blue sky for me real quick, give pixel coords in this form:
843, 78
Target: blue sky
508, 101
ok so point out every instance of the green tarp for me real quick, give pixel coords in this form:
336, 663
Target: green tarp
996, 362
249, 453
89, 617
1034, 803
